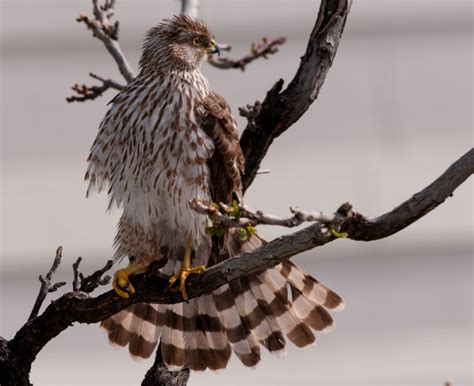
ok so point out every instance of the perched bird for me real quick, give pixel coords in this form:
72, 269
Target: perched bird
168, 139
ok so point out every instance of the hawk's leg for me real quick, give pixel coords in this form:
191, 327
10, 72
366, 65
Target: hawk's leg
121, 282
185, 270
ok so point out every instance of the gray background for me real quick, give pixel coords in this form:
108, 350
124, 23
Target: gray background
394, 112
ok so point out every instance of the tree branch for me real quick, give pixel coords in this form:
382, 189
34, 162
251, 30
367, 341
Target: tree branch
89, 93
281, 109
420, 204
90, 283
159, 375
46, 285
240, 216
107, 32
152, 288
257, 50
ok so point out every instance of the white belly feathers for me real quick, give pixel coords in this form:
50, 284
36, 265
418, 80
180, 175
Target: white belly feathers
151, 153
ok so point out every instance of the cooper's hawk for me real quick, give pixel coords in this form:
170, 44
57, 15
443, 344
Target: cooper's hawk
168, 139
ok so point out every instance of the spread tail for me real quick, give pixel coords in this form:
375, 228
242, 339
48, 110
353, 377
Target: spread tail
242, 316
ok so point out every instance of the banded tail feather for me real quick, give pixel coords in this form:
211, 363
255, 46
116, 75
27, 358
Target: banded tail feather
135, 326
242, 316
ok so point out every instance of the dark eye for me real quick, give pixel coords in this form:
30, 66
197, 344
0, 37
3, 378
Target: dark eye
196, 41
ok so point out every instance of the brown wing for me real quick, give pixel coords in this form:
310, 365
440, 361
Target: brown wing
225, 165
227, 162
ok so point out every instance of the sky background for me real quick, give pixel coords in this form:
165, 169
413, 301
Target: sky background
394, 113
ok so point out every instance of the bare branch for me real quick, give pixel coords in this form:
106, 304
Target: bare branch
152, 288
107, 32
258, 50
76, 284
90, 283
46, 285
87, 93
160, 375
420, 204
281, 108
241, 216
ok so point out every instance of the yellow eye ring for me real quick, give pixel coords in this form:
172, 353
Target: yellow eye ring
196, 41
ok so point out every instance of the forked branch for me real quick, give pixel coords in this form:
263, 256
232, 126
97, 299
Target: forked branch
89, 93
107, 32
90, 283
46, 285
262, 49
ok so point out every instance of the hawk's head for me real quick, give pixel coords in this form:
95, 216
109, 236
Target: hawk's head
178, 43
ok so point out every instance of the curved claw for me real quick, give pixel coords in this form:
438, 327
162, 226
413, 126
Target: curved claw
182, 274
122, 285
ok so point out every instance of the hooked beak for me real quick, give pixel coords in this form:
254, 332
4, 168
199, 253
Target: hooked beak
214, 48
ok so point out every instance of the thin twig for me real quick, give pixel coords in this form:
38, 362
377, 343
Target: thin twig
241, 216
87, 93
46, 285
76, 284
107, 32
90, 283
258, 50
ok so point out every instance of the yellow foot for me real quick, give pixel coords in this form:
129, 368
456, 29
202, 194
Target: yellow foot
121, 283
182, 274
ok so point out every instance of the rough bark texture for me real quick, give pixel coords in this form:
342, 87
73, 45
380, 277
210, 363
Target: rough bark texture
12, 369
281, 109
159, 375
421, 203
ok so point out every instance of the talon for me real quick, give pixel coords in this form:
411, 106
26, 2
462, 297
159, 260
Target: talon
182, 274
173, 279
121, 283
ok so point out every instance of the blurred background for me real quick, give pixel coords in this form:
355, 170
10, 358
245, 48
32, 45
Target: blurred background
394, 113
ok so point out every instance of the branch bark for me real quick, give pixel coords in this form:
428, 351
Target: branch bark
258, 50
89, 93
107, 32
281, 108
46, 285
420, 204
159, 375
150, 287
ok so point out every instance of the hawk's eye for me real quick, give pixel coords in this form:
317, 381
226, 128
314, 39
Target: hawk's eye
196, 41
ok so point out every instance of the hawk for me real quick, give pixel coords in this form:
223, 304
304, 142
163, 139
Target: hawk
168, 139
